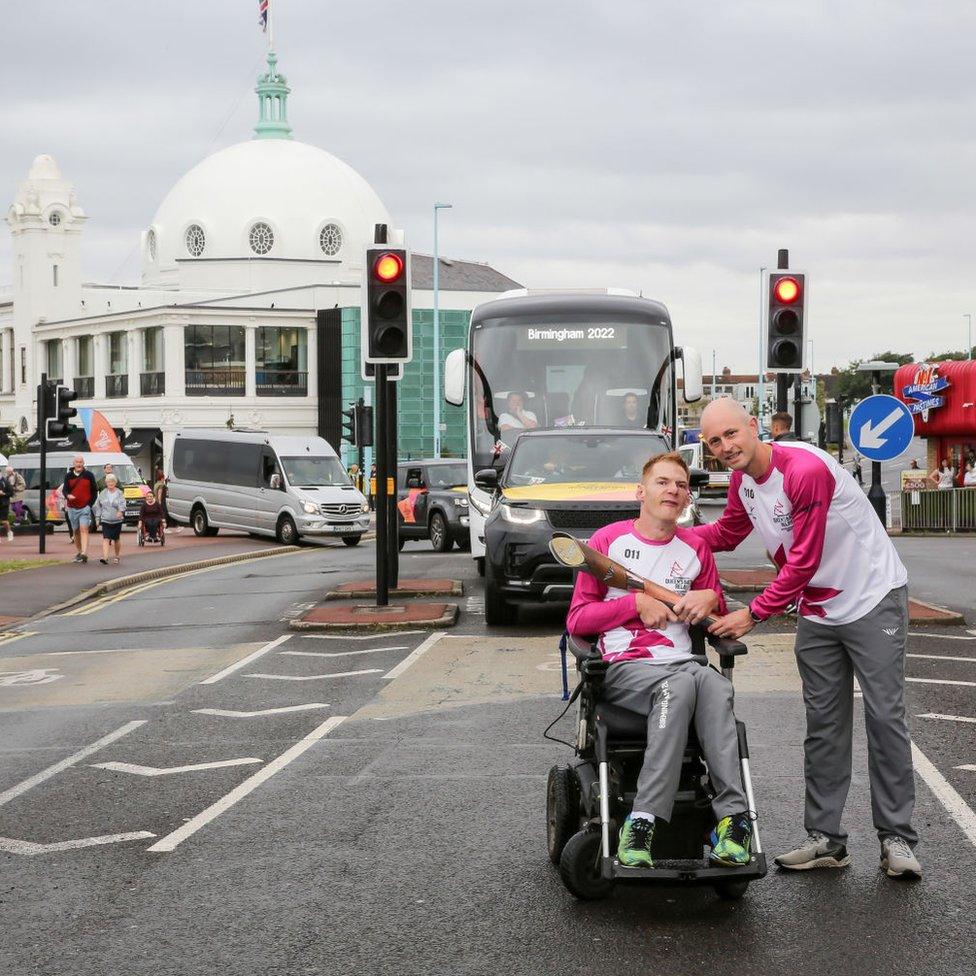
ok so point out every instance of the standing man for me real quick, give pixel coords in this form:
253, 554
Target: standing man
838, 564
80, 492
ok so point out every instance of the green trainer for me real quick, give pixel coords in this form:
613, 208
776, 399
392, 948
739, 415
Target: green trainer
732, 841
634, 848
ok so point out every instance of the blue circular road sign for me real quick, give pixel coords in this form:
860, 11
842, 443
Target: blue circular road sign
881, 427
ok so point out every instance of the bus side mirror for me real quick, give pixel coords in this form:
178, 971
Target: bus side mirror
691, 372
486, 479
454, 377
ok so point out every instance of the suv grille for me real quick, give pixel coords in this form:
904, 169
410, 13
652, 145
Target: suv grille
589, 518
340, 512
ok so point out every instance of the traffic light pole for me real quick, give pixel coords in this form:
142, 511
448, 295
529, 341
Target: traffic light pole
392, 534
42, 489
360, 447
382, 469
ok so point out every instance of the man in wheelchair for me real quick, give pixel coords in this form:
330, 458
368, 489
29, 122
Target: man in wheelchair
654, 671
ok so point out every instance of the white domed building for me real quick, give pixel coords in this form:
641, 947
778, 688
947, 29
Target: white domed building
248, 308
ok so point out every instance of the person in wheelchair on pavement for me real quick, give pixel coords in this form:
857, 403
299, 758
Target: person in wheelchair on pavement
654, 671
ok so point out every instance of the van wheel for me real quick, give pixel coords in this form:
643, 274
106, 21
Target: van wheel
440, 538
201, 525
351, 540
287, 533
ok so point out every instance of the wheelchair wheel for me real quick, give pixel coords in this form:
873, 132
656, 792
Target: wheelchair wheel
562, 809
579, 866
731, 890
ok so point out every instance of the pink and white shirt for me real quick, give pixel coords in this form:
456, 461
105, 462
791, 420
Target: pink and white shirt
832, 551
681, 563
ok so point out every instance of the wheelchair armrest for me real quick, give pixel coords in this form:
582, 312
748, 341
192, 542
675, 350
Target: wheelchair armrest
726, 647
582, 648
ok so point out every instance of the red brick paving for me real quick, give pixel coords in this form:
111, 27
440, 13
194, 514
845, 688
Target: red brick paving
366, 589
342, 616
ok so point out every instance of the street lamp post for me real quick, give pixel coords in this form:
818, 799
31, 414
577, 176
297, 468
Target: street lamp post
969, 334
437, 336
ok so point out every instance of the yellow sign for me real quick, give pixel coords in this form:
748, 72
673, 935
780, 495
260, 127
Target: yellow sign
578, 491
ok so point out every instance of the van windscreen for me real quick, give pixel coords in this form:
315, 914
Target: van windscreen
315, 472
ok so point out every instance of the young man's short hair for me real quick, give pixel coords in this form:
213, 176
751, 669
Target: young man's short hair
673, 456
782, 418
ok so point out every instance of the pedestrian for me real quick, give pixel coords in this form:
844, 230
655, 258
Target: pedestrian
837, 563
914, 465
159, 490
80, 492
354, 476
858, 472
19, 493
943, 476
781, 426
372, 487
110, 510
6, 496
969, 479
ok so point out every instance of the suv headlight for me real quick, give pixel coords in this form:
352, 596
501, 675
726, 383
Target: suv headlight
521, 516
310, 508
364, 507
461, 502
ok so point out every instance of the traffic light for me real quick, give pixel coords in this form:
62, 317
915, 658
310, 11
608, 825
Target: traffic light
784, 343
364, 425
386, 332
834, 422
58, 410
349, 424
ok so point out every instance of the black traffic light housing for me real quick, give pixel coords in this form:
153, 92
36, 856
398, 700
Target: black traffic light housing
785, 332
58, 410
349, 424
364, 425
387, 336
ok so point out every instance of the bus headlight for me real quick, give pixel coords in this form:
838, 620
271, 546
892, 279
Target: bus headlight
521, 516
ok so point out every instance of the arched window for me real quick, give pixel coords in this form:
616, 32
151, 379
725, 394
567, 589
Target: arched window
261, 238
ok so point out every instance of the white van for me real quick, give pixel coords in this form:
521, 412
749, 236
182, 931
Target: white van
131, 482
698, 455
285, 487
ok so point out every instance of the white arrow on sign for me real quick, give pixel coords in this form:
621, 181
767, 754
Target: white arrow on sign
120, 767
871, 436
29, 848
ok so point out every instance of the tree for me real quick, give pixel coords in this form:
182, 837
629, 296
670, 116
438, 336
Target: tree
935, 357
855, 385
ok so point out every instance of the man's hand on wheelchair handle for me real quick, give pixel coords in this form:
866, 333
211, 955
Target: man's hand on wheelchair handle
696, 605
733, 624
653, 613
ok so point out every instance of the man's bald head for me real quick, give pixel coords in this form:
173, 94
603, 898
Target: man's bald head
723, 411
730, 432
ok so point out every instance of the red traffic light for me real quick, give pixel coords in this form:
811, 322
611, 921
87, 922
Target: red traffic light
388, 267
786, 291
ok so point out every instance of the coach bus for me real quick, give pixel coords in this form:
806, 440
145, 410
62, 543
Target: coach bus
562, 359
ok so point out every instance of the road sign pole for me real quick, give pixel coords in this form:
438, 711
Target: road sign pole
382, 465
876, 495
42, 433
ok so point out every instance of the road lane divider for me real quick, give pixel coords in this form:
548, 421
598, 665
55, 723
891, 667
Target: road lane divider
135, 770
71, 760
941, 681
943, 657
370, 650
229, 713
171, 841
354, 637
314, 677
245, 661
954, 804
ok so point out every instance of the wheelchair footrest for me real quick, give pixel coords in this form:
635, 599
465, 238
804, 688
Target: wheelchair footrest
697, 871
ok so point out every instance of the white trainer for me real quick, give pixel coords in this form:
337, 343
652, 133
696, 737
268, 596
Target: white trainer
898, 860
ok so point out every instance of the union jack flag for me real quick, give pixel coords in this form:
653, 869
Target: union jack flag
263, 14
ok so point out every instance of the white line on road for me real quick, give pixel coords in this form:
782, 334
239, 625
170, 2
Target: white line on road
245, 661
371, 650
171, 841
121, 767
946, 795
313, 677
948, 718
941, 681
415, 655
351, 637
940, 657
969, 768
40, 777
226, 713
29, 848
913, 633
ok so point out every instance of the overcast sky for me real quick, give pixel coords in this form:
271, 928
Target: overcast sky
665, 147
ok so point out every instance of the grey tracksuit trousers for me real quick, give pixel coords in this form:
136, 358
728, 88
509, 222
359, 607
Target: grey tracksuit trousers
672, 696
828, 657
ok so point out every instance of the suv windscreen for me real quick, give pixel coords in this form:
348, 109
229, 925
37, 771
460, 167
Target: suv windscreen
447, 476
315, 472
561, 458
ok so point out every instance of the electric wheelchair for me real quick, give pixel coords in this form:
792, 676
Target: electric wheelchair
588, 799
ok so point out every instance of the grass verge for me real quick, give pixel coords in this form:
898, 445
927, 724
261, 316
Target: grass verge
13, 565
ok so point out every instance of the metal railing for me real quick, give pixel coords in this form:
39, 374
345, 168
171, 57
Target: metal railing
281, 382
152, 384
85, 387
213, 382
939, 510
117, 385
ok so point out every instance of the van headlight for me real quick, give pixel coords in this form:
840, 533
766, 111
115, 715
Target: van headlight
310, 508
521, 516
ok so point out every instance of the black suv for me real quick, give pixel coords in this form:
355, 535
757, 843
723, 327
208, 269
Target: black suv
574, 480
432, 501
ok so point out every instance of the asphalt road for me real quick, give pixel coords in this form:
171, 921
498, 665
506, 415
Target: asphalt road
409, 837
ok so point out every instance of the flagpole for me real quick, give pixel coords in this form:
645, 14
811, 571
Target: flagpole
270, 26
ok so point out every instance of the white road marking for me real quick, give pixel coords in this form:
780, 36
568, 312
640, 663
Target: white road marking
371, 650
171, 841
45, 774
416, 654
942, 657
913, 633
941, 681
226, 713
33, 676
313, 677
349, 637
9, 636
29, 849
969, 767
245, 661
121, 767
948, 718
109, 650
955, 805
